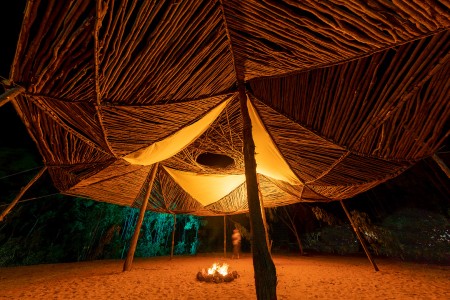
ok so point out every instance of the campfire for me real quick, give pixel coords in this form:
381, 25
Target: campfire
217, 273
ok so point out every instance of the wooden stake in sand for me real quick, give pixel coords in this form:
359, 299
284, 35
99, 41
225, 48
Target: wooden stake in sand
366, 250
22, 191
225, 236
173, 235
10, 94
134, 239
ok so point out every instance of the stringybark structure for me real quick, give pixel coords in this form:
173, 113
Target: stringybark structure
344, 95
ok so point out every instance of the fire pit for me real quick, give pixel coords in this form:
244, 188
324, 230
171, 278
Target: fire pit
217, 273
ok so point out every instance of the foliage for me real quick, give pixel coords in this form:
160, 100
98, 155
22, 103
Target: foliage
331, 239
155, 232
323, 215
409, 234
194, 247
419, 235
61, 229
180, 248
289, 216
334, 237
191, 222
9, 250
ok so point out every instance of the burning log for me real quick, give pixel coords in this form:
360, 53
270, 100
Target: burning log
217, 274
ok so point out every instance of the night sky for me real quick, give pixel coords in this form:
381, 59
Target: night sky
13, 132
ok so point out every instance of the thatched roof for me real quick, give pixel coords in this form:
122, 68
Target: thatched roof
344, 95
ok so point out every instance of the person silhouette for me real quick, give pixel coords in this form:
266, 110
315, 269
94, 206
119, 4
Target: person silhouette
236, 240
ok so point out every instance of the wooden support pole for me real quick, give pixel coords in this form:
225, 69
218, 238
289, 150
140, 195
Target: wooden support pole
22, 191
441, 164
263, 214
10, 94
264, 268
134, 239
366, 250
225, 236
173, 235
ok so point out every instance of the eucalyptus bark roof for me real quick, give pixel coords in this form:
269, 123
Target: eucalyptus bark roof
351, 93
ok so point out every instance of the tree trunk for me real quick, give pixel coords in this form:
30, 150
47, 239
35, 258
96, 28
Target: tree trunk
289, 222
294, 229
299, 242
22, 191
265, 272
134, 239
173, 235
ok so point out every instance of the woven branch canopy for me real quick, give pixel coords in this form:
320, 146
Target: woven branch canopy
342, 94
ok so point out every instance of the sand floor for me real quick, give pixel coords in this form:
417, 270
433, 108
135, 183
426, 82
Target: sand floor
310, 277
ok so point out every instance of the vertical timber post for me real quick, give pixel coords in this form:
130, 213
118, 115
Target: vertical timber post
366, 250
173, 235
134, 239
263, 214
264, 268
22, 191
225, 236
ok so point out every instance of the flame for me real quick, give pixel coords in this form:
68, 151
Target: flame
221, 269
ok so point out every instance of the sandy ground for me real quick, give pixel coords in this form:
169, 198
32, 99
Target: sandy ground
311, 277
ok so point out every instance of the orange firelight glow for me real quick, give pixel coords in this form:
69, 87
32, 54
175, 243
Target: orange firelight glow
221, 269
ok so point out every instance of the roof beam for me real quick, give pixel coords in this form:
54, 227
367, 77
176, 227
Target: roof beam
10, 95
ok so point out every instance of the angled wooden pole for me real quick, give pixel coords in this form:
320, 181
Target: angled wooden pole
173, 235
225, 236
265, 272
366, 250
441, 164
134, 239
22, 191
10, 94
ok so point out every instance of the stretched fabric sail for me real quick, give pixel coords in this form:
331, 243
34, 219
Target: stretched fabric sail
173, 144
207, 188
269, 160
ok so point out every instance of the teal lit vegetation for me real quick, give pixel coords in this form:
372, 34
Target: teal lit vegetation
63, 229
